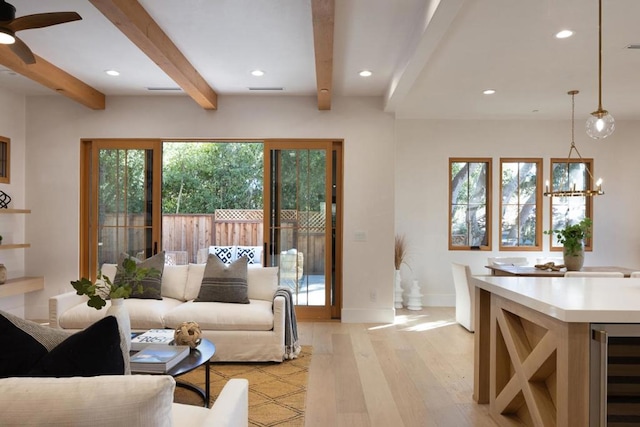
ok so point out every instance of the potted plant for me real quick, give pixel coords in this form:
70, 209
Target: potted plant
130, 277
572, 239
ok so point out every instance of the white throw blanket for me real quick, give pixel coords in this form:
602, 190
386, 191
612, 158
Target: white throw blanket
291, 346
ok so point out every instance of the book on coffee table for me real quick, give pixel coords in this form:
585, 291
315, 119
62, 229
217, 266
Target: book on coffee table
158, 358
152, 336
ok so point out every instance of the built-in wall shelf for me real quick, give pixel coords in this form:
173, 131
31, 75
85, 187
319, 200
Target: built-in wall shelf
15, 211
21, 285
15, 246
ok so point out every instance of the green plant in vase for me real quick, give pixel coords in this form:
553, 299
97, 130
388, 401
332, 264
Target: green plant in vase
572, 239
130, 277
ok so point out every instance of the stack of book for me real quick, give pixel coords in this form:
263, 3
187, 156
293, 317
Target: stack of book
158, 358
152, 336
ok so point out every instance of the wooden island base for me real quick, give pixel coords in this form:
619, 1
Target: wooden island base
532, 369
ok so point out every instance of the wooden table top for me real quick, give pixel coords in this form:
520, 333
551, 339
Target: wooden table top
527, 270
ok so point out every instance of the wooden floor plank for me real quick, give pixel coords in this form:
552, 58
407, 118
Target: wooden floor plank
416, 372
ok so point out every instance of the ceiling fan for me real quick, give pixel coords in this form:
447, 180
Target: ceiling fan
10, 25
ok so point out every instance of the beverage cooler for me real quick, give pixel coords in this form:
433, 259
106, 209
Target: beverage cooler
615, 375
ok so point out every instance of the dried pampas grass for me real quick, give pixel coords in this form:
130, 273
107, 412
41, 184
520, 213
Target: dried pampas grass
400, 251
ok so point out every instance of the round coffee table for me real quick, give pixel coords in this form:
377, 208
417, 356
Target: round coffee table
197, 357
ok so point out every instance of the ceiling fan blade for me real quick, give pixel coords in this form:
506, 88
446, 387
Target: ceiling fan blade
23, 51
40, 20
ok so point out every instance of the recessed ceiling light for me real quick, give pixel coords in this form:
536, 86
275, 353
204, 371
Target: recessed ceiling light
365, 73
488, 91
564, 34
112, 72
257, 73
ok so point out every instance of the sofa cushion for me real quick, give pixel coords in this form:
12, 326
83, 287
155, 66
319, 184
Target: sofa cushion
253, 253
121, 400
224, 283
262, 282
92, 351
151, 286
226, 254
257, 316
144, 314
174, 280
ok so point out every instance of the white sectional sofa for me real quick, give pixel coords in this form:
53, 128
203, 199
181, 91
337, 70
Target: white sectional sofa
115, 400
240, 332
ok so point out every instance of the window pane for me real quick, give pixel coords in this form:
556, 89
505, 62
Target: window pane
521, 180
469, 189
566, 176
459, 226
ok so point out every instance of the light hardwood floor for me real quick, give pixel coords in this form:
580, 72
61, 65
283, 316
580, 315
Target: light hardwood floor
415, 372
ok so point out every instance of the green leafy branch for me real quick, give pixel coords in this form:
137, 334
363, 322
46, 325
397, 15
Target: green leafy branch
572, 236
130, 277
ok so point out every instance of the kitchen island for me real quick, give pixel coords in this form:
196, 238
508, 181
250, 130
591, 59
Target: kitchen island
533, 343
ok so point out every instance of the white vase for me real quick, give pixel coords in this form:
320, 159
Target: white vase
119, 311
415, 297
398, 289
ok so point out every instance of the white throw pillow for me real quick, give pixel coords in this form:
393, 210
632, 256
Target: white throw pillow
174, 281
194, 280
108, 400
109, 270
262, 282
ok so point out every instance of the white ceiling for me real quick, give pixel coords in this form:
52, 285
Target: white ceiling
430, 59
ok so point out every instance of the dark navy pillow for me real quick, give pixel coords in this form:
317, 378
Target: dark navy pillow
20, 350
90, 352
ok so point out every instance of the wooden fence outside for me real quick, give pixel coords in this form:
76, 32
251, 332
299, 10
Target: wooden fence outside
244, 227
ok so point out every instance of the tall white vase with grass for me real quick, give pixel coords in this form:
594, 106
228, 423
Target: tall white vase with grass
398, 289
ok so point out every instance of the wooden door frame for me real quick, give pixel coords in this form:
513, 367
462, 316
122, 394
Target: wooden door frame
333, 306
89, 149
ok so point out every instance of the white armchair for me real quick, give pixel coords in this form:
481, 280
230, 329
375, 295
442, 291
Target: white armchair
465, 295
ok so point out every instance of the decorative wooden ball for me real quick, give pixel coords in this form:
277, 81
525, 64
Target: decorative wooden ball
188, 333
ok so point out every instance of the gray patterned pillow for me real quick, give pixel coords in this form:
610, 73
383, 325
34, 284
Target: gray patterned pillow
222, 283
151, 286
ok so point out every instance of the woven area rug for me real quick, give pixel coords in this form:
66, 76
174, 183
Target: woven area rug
277, 391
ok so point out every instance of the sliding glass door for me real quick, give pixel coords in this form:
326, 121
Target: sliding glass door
120, 201
301, 231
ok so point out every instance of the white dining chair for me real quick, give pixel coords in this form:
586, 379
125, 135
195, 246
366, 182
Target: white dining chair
594, 274
635, 274
465, 295
505, 260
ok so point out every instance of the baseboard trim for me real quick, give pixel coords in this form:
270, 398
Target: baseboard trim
439, 300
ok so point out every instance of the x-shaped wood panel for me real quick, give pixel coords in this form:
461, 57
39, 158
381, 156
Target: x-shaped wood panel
533, 379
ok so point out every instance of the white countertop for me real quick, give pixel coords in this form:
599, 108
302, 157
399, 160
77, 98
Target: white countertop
571, 299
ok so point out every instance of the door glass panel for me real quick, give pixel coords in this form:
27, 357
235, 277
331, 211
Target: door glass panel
298, 222
124, 204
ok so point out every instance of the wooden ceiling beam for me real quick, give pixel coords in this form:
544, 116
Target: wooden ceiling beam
54, 78
323, 12
133, 20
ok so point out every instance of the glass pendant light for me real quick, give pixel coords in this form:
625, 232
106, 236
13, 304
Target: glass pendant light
600, 124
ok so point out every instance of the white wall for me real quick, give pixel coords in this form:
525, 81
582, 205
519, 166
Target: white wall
55, 126
12, 227
422, 153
